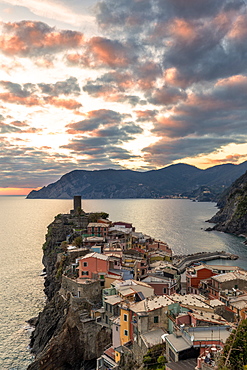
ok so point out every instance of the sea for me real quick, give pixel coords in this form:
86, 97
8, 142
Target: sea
23, 225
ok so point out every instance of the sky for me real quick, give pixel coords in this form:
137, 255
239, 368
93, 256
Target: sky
122, 84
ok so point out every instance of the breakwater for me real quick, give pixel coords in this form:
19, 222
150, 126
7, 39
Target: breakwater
183, 261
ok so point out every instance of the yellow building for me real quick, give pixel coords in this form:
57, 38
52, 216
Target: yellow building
125, 327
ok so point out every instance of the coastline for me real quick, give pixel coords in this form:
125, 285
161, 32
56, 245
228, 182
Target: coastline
67, 317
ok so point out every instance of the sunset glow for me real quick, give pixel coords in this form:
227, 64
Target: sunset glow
83, 88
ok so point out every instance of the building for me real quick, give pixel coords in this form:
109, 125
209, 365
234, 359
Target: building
195, 274
98, 229
225, 282
191, 342
97, 266
162, 285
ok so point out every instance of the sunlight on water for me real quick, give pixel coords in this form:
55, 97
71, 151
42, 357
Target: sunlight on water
180, 223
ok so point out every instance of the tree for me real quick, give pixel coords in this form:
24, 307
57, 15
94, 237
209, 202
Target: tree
93, 217
64, 246
77, 242
234, 355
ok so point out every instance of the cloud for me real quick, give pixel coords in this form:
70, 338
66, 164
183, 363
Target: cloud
21, 91
96, 118
108, 131
76, 12
29, 39
167, 151
103, 52
67, 87
38, 95
174, 70
167, 96
63, 103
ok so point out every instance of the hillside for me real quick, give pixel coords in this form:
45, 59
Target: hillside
232, 216
169, 181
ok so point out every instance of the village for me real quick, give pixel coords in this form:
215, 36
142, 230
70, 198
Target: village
159, 317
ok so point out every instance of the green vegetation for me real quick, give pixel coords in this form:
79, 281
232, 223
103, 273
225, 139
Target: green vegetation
234, 355
93, 217
64, 246
77, 242
61, 266
242, 207
154, 358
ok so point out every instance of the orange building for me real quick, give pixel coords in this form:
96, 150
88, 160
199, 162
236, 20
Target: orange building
194, 275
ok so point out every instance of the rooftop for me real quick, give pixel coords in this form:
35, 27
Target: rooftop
209, 317
113, 299
95, 255
97, 224
210, 333
153, 337
150, 304
178, 342
182, 365
157, 279
215, 303
229, 276
195, 300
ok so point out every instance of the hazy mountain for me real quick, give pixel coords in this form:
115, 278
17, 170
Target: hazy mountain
169, 181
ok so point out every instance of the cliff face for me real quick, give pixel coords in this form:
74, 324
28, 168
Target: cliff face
232, 216
65, 336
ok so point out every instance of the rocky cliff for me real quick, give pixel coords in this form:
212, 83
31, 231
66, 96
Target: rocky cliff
232, 216
65, 336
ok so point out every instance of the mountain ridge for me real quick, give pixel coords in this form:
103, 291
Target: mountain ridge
173, 180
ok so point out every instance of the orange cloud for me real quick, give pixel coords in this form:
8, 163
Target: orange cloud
231, 158
29, 38
63, 103
232, 81
12, 98
174, 78
108, 52
239, 29
182, 30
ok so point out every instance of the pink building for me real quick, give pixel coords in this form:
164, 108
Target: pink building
96, 266
93, 266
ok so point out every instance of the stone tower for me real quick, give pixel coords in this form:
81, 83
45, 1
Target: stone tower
77, 202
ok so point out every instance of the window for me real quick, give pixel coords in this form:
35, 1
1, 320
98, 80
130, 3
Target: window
116, 328
125, 317
164, 290
84, 272
126, 333
156, 319
85, 264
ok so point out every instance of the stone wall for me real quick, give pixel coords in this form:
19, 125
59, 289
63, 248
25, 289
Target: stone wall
90, 291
